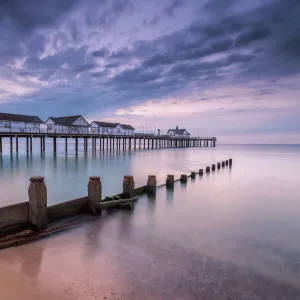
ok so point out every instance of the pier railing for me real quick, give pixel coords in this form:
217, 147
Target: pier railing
86, 132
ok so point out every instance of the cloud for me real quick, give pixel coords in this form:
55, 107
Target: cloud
29, 15
252, 35
116, 58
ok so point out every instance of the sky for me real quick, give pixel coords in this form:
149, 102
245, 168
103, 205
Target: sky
224, 68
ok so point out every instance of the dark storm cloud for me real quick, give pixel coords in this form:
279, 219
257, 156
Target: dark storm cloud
263, 43
103, 52
174, 5
84, 68
251, 35
33, 14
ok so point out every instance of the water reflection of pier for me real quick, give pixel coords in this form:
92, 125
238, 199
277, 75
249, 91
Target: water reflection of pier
108, 142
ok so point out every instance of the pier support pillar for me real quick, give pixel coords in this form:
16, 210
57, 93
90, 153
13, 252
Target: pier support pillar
151, 184
37, 193
170, 181
54, 144
11, 144
1, 145
17, 144
66, 145
76, 145
128, 186
41, 144
27, 144
31, 144
44, 144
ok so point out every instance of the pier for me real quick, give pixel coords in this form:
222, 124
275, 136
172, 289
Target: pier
105, 141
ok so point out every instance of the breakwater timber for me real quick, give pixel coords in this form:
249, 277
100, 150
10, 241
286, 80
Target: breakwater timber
26, 221
118, 142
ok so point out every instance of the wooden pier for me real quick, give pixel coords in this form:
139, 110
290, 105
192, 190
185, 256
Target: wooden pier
107, 142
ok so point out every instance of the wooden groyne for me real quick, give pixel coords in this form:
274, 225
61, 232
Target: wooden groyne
98, 141
24, 222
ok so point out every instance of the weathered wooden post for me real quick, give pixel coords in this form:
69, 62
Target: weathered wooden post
128, 186
183, 178
170, 181
200, 172
226, 162
230, 162
193, 175
213, 167
207, 169
223, 164
94, 193
37, 193
218, 166
151, 184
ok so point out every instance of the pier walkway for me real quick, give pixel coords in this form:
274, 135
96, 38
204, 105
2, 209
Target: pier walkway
104, 141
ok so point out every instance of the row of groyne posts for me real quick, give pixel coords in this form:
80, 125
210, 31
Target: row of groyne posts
106, 142
37, 193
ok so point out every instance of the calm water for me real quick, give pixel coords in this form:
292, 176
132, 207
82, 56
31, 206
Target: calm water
231, 235
67, 176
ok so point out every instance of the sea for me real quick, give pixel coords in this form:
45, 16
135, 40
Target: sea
232, 234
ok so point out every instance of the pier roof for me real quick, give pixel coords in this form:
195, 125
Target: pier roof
113, 125
106, 124
20, 118
68, 120
128, 127
179, 131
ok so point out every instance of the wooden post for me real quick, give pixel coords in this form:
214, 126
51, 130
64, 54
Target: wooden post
27, 147
41, 144
230, 162
128, 186
17, 144
1, 145
223, 164
193, 175
170, 181
37, 193
11, 144
31, 144
207, 169
151, 184
44, 144
94, 192
213, 167
54, 144
226, 162
218, 166
66, 145
76, 145
183, 178
200, 172
107, 143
